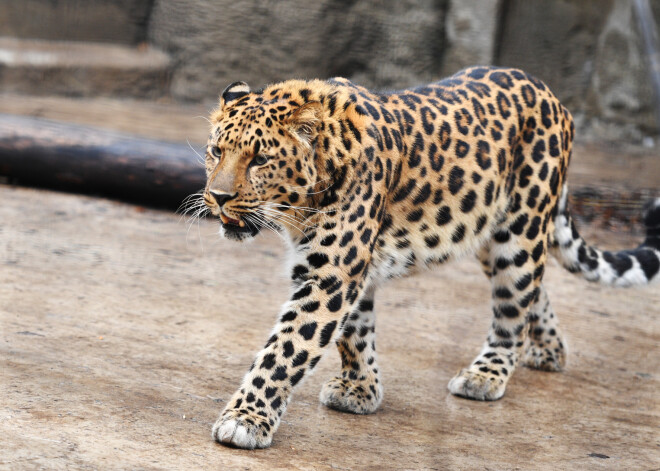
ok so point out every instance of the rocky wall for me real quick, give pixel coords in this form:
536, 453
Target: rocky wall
589, 51
383, 44
116, 21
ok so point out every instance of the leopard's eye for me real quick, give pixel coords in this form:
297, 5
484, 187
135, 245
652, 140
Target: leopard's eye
216, 152
261, 159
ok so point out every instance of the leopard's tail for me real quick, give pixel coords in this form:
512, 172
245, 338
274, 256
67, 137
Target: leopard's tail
637, 266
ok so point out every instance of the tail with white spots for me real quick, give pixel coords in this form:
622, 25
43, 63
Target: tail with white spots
637, 266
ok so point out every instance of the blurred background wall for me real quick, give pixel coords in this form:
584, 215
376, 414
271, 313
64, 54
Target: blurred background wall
590, 52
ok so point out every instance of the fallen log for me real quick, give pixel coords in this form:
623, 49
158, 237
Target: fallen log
71, 157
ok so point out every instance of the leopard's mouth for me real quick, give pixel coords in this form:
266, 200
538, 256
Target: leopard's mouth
239, 225
227, 220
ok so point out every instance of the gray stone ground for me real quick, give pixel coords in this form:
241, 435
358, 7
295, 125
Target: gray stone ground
123, 333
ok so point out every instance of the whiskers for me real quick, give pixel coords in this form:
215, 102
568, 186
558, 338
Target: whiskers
200, 158
300, 219
269, 215
274, 217
193, 210
259, 220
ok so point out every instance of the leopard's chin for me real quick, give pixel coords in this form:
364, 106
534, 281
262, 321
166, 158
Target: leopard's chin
238, 233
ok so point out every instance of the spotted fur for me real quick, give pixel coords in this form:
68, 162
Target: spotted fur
368, 186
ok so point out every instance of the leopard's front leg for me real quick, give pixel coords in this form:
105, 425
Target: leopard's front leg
308, 322
358, 389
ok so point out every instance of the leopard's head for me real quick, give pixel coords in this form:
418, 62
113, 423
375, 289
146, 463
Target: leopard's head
260, 162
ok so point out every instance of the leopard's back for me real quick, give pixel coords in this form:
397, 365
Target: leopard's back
465, 156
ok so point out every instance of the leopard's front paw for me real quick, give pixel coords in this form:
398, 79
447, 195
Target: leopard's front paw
351, 396
243, 430
473, 383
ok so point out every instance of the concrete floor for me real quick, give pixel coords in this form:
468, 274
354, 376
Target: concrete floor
123, 333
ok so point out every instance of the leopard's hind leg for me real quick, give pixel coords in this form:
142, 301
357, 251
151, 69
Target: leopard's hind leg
515, 260
546, 348
358, 389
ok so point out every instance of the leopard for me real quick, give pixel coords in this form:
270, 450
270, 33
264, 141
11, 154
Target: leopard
367, 186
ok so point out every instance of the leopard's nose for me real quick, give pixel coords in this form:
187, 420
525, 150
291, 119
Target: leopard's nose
221, 197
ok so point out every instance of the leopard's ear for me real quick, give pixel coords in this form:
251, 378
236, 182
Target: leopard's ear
233, 92
305, 121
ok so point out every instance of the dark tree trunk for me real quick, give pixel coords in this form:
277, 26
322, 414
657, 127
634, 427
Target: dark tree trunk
84, 159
